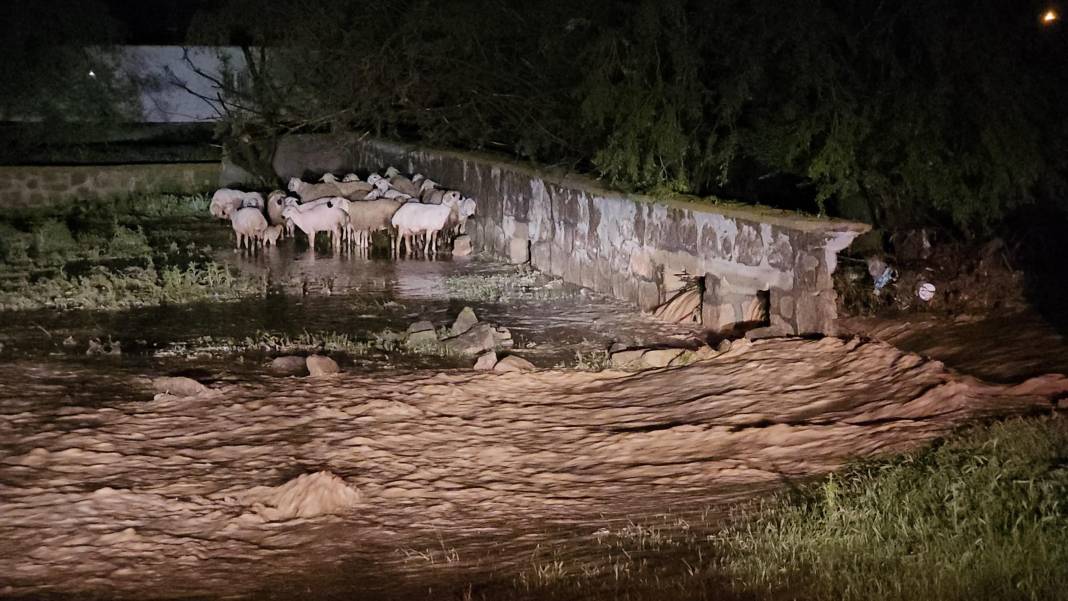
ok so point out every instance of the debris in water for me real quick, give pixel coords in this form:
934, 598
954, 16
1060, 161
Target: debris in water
306, 496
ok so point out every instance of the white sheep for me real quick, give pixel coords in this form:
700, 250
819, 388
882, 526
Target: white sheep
328, 178
404, 185
439, 196
252, 200
271, 235
353, 190
373, 178
350, 177
366, 218
275, 204
322, 218
227, 200
309, 192
414, 219
391, 172
249, 226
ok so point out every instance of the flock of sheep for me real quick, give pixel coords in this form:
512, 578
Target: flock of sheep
413, 210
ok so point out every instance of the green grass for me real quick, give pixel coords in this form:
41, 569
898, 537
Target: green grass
983, 516
112, 254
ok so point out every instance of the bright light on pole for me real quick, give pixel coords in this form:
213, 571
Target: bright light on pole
1049, 17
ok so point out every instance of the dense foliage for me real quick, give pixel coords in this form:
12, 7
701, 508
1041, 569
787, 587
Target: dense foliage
895, 112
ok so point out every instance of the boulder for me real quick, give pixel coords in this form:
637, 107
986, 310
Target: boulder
479, 338
420, 326
422, 338
319, 365
289, 365
513, 363
628, 359
178, 386
660, 357
461, 246
486, 361
464, 321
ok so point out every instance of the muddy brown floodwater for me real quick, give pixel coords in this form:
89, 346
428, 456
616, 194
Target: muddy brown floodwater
173, 494
403, 481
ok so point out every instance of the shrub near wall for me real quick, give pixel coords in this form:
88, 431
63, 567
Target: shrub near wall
28, 186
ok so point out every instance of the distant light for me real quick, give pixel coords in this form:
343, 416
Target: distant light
1049, 17
92, 73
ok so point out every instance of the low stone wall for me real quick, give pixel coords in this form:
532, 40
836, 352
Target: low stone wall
26, 186
759, 265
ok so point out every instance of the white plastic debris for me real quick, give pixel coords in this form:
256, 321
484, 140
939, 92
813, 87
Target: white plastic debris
926, 291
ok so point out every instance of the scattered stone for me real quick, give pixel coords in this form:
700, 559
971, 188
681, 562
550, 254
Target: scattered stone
486, 361
289, 365
724, 346
422, 338
178, 386
464, 321
461, 246
420, 326
660, 357
503, 336
319, 365
513, 363
705, 352
478, 338
628, 359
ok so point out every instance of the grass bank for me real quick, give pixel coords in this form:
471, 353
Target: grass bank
980, 515
112, 254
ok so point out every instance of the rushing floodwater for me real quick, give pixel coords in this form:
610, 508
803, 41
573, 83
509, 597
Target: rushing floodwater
397, 481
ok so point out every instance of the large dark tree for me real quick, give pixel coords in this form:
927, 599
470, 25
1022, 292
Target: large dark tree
924, 111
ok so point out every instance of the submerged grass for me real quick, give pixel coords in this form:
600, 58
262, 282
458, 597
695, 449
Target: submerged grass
112, 254
983, 516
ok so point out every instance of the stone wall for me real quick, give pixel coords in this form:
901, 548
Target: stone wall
759, 265
25, 186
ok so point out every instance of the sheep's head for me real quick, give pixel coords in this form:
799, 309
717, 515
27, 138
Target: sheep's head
290, 211
382, 184
428, 184
373, 178
275, 197
452, 197
467, 208
294, 184
339, 202
392, 171
290, 201
328, 178
418, 177
350, 177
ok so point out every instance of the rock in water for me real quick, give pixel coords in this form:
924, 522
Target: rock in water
461, 246
628, 359
513, 363
660, 357
178, 386
289, 365
319, 365
464, 321
486, 361
477, 339
306, 496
